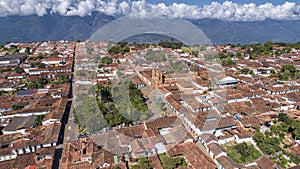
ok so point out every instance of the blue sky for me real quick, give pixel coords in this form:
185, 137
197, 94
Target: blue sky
203, 2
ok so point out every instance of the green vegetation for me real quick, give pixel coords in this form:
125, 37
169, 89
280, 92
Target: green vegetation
177, 66
285, 158
8, 93
117, 167
63, 78
209, 56
41, 82
269, 144
289, 45
27, 51
268, 48
143, 45
19, 70
100, 65
155, 56
107, 60
80, 73
172, 44
227, 61
242, 153
36, 84
136, 98
114, 118
171, 162
12, 49
4, 70
89, 49
246, 71
17, 107
289, 126
76, 121
259, 49
89, 117
289, 71
143, 163
38, 65
284, 118
39, 57
130, 101
272, 143
97, 58
106, 105
161, 105
102, 111
39, 120
119, 48
54, 53
192, 50
32, 85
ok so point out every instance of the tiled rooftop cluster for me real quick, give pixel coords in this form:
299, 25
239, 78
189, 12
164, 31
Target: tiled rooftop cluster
31, 115
207, 105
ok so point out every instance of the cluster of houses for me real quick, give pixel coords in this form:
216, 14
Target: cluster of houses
31, 116
206, 105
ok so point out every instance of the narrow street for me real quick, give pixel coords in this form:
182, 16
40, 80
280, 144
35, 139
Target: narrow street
60, 141
71, 132
64, 122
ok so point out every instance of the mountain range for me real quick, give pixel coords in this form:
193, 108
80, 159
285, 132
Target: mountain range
55, 27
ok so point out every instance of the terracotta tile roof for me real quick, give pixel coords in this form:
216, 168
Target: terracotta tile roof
226, 162
18, 123
75, 158
39, 135
239, 107
30, 110
202, 82
5, 151
260, 105
136, 131
207, 137
137, 147
5, 105
295, 150
156, 162
265, 162
211, 120
250, 121
241, 132
177, 134
193, 155
163, 122
8, 138
22, 161
174, 102
293, 96
30, 167
136, 80
215, 148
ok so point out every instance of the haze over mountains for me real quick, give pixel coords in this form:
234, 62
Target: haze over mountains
57, 27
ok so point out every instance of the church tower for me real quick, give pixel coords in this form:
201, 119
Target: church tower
157, 77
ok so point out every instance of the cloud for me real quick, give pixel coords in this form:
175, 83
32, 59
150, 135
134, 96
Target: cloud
224, 11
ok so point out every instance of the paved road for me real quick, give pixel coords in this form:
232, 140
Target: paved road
64, 121
71, 132
60, 141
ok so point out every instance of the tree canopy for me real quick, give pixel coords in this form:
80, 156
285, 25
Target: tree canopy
172, 44
119, 48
